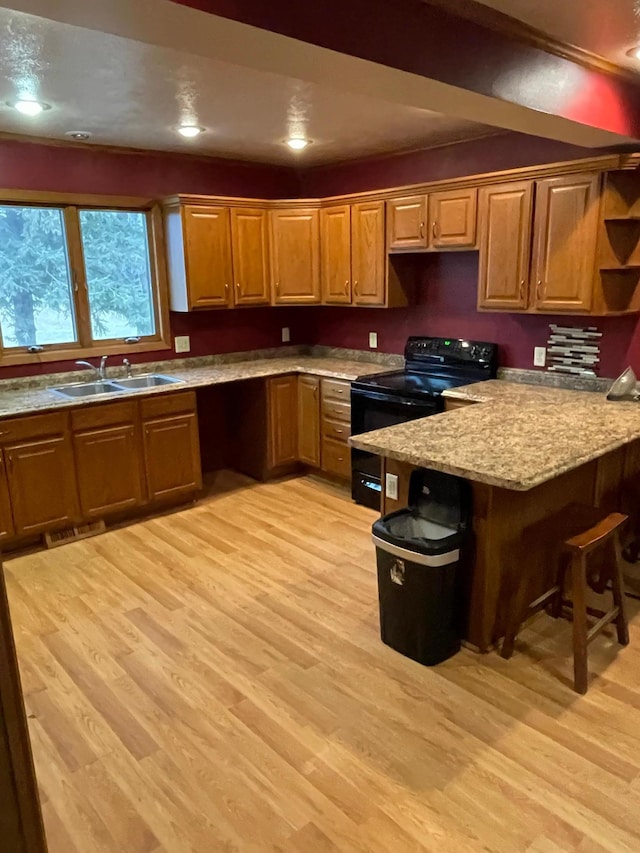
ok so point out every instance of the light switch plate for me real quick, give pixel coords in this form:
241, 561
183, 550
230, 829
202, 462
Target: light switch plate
391, 486
539, 356
373, 340
182, 343
286, 335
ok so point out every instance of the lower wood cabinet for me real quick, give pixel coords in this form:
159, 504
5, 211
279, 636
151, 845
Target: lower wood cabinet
42, 484
335, 428
109, 470
282, 404
6, 518
309, 420
171, 447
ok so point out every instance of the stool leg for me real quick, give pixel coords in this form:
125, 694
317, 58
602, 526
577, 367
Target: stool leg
617, 588
579, 589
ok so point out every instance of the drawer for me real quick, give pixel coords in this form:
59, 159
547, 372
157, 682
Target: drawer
111, 414
336, 459
168, 404
337, 430
54, 423
336, 411
336, 389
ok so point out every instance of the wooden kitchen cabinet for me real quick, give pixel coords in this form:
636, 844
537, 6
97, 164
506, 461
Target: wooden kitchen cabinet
295, 256
368, 255
171, 447
309, 420
107, 450
249, 240
198, 244
7, 529
335, 258
505, 214
336, 428
564, 242
42, 483
452, 218
406, 219
282, 403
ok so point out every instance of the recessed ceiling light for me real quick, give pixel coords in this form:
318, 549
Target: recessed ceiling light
29, 107
297, 143
634, 52
79, 135
190, 130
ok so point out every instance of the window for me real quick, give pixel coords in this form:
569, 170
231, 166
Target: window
74, 280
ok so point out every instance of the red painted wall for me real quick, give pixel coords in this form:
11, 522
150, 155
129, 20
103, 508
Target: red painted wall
37, 166
446, 307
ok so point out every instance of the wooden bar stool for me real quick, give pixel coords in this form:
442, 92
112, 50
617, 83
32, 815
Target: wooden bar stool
586, 543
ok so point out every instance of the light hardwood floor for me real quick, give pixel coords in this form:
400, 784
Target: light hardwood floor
213, 680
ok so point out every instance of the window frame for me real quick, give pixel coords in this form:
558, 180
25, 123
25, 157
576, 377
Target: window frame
85, 347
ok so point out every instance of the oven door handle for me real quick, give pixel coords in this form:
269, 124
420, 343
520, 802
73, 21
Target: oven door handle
429, 402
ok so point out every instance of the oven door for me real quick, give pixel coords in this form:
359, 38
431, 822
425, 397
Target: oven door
375, 410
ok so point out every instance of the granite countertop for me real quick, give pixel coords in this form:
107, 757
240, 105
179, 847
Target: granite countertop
23, 401
519, 437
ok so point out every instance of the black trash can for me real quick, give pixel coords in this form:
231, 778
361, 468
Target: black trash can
418, 553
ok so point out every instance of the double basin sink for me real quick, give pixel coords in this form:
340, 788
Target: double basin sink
114, 386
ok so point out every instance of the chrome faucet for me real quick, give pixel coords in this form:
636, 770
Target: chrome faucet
101, 372
127, 364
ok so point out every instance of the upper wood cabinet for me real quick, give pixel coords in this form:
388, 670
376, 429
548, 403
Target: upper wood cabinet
295, 256
505, 241
564, 242
407, 223
335, 254
452, 217
309, 420
199, 252
249, 241
368, 255
441, 220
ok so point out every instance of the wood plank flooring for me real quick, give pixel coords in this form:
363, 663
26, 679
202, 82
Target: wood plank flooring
213, 680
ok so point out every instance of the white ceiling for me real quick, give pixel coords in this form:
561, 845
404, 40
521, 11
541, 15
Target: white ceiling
134, 94
605, 27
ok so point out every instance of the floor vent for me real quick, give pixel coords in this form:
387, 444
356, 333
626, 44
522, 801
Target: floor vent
73, 534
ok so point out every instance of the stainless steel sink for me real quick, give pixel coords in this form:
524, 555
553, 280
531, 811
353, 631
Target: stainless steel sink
88, 389
146, 380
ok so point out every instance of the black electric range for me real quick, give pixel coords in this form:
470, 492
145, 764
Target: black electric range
432, 365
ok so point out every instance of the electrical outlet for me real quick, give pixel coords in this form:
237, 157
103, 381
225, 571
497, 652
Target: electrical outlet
391, 486
182, 343
286, 335
373, 340
539, 356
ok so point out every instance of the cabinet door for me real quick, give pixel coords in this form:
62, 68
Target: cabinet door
407, 217
207, 237
42, 484
283, 421
6, 518
295, 256
564, 242
108, 465
453, 218
368, 255
172, 457
309, 420
335, 246
250, 256
505, 213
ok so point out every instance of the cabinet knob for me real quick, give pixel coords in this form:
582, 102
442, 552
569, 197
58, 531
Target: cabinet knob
237, 285
434, 229
355, 287
277, 288
522, 290
540, 289
422, 230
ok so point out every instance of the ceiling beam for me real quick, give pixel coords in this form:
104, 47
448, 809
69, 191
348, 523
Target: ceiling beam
400, 50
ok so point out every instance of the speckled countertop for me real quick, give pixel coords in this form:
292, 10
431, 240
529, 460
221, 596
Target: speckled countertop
23, 401
517, 438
